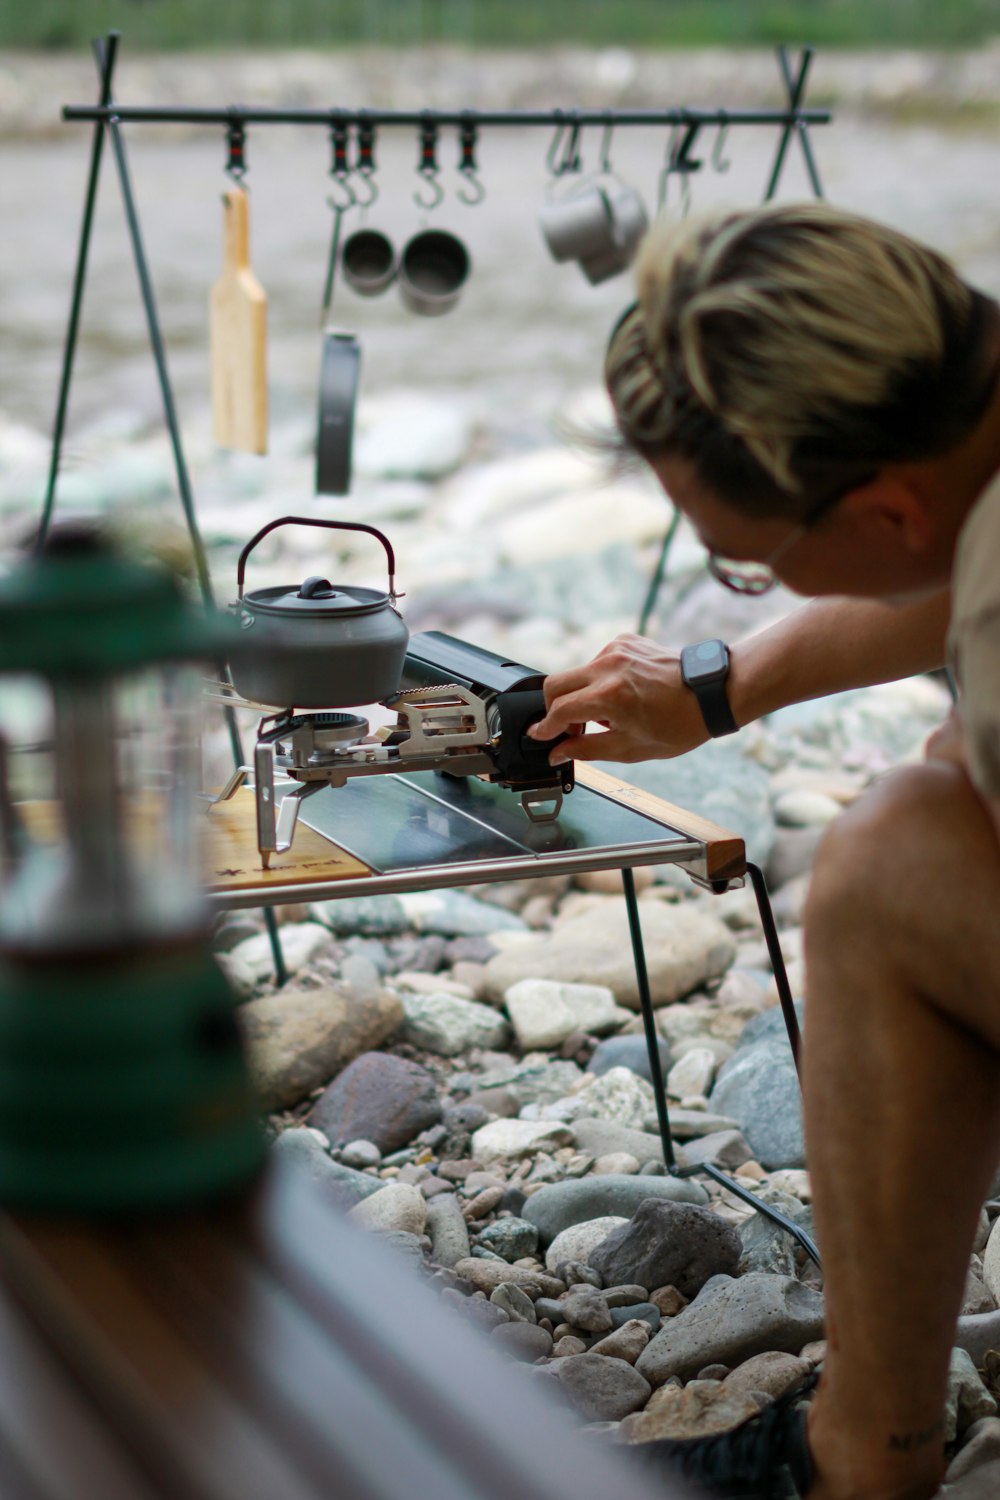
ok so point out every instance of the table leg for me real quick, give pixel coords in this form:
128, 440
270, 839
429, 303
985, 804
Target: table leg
646, 1007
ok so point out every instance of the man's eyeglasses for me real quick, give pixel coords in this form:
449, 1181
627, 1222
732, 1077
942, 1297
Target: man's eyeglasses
759, 577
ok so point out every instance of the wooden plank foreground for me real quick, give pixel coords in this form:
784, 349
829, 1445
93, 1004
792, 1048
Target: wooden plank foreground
725, 851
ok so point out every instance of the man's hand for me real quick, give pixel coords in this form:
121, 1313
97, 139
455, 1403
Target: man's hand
634, 689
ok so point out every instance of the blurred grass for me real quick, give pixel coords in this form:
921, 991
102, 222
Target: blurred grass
182, 24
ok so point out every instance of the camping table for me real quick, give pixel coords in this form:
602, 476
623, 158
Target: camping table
409, 832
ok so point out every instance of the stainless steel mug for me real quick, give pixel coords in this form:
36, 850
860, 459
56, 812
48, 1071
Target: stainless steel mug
578, 226
368, 262
433, 268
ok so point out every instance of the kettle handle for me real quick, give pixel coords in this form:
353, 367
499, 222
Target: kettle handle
329, 525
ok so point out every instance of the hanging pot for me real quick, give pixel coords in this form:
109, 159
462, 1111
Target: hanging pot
338, 394
318, 644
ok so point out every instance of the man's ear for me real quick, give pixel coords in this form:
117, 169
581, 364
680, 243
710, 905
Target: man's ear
892, 511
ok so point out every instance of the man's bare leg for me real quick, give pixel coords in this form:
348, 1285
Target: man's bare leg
902, 1083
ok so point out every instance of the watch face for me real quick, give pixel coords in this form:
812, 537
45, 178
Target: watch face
705, 662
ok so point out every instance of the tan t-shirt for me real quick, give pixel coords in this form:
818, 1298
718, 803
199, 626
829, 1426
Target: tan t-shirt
974, 637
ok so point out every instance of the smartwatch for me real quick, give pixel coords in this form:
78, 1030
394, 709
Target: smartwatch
704, 669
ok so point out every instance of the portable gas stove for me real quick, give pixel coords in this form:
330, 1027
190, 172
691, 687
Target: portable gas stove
460, 710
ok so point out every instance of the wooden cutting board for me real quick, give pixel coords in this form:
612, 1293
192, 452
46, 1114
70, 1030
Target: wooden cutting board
238, 337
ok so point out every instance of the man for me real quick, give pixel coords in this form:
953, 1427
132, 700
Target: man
818, 395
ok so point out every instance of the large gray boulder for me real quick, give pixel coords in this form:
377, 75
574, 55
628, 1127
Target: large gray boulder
601, 1388
296, 1040
668, 1244
378, 1098
730, 1321
759, 1088
684, 947
555, 1207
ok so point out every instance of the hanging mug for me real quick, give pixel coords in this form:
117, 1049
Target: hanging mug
598, 224
433, 268
368, 262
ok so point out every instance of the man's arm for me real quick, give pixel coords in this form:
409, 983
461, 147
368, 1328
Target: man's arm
633, 687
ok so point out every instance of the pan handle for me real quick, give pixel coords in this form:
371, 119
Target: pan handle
329, 525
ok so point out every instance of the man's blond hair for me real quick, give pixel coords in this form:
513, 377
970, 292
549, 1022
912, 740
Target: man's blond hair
796, 346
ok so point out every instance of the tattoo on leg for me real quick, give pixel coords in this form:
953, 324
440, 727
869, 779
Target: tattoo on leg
906, 1442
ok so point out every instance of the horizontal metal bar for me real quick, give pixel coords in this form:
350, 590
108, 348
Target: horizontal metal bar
245, 114
472, 872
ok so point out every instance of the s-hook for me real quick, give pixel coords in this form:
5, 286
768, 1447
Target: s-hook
563, 154
236, 149
365, 165
475, 191
339, 172
427, 166
680, 144
720, 162
609, 130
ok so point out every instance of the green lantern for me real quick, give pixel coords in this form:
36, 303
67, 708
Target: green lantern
122, 1079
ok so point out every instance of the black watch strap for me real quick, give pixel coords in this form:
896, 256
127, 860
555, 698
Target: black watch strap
704, 669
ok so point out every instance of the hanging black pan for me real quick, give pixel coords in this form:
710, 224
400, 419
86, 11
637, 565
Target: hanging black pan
338, 389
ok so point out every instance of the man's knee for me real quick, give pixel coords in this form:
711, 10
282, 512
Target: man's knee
884, 839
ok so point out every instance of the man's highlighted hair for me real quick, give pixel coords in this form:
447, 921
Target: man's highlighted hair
789, 351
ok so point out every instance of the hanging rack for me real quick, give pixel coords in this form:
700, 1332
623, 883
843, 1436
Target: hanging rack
108, 119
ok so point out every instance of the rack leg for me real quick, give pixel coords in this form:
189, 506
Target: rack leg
170, 412
796, 88
106, 65
646, 1006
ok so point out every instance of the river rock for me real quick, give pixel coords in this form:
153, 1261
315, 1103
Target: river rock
773, 1373
702, 1407
339, 1184
298, 1039
692, 1073
977, 1462
576, 1242
607, 1137
759, 1088
382, 1098
991, 1262
523, 1341
515, 1302
406, 435
731, 1321
601, 1389
684, 948
447, 1025
367, 916
452, 914
544, 1012
487, 1275
397, 1205
508, 1140
626, 1342
618, 1095
726, 1148
300, 942
968, 1399
669, 1244
510, 1237
448, 1230
559, 1204
584, 1307
719, 782
628, 1052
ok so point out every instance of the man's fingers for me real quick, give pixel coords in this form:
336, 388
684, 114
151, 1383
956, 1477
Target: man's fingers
609, 744
569, 711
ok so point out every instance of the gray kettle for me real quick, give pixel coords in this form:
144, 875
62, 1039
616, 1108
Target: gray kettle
317, 644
